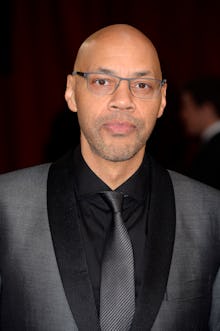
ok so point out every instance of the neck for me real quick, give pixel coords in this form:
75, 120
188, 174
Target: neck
112, 173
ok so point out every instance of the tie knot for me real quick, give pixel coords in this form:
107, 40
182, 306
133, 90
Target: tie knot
114, 200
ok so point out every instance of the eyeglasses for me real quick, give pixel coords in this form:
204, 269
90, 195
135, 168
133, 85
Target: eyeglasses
104, 84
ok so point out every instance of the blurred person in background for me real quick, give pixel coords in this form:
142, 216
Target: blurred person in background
200, 115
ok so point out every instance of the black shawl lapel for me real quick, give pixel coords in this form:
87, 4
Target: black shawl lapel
159, 248
67, 243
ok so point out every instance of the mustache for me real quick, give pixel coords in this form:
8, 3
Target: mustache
120, 117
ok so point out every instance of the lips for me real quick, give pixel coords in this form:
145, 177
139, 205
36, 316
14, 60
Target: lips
119, 128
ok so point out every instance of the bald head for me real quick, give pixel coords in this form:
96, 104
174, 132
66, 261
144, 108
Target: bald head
122, 43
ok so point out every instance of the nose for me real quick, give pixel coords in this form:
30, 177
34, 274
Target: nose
122, 98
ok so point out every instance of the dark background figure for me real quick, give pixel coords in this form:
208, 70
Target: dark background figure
200, 114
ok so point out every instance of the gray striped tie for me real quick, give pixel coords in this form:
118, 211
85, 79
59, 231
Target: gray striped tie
117, 292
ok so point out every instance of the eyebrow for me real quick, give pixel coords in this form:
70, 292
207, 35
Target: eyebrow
135, 74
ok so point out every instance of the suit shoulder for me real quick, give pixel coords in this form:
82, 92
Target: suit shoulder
24, 179
186, 188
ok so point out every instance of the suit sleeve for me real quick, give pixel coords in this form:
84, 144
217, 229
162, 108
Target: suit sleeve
215, 308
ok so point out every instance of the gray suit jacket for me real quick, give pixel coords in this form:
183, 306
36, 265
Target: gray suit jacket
44, 278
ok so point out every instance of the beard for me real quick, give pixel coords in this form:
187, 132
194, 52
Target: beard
120, 147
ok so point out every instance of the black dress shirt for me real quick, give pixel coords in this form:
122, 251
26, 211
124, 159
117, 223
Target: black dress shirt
96, 216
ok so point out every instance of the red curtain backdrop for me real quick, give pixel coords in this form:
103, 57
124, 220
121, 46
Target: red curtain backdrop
39, 40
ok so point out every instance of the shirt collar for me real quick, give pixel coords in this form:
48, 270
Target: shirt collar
88, 183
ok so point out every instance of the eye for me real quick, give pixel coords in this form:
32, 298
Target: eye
101, 81
97, 81
141, 85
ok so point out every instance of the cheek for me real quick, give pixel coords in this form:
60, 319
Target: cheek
84, 109
83, 118
87, 116
151, 122
89, 105
151, 112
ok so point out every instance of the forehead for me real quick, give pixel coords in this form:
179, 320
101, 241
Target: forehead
122, 53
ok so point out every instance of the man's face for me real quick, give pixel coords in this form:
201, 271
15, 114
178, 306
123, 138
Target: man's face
116, 127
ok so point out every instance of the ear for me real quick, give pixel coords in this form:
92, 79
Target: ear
163, 100
70, 93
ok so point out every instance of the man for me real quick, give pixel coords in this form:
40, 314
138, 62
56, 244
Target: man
200, 113
55, 222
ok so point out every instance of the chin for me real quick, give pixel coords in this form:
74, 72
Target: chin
116, 154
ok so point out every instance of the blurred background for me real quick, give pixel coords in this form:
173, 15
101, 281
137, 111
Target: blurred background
39, 40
